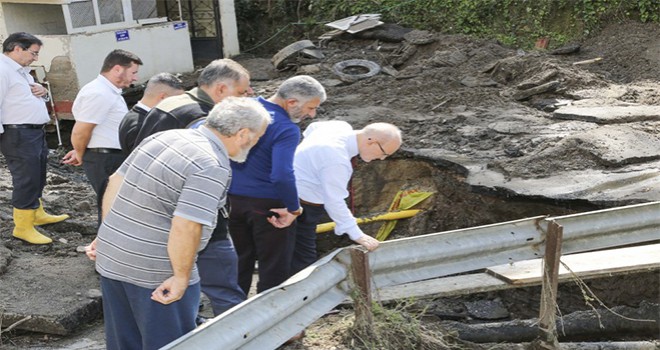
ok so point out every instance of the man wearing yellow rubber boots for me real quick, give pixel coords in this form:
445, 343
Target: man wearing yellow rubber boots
23, 115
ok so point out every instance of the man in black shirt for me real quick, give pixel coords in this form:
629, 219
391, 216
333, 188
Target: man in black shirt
159, 87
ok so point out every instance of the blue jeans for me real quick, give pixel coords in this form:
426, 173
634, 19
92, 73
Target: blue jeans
218, 269
133, 321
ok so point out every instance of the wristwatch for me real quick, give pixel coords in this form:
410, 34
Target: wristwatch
297, 212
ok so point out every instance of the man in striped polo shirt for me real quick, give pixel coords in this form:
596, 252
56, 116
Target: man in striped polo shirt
159, 210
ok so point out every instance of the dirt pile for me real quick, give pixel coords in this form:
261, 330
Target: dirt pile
476, 116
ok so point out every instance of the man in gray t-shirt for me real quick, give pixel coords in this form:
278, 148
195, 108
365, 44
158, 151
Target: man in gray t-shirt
158, 211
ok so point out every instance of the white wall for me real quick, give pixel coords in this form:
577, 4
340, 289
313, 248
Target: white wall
3, 28
229, 28
34, 18
160, 47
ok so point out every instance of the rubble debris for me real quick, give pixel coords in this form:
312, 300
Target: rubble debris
541, 89
389, 70
419, 37
388, 32
593, 60
566, 49
357, 23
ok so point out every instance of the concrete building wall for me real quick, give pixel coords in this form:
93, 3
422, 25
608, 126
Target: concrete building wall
3, 27
34, 18
71, 61
161, 47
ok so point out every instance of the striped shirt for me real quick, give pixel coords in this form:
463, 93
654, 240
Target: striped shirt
177, 172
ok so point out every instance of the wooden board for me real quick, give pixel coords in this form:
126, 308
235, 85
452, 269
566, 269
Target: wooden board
583, 264
527, 273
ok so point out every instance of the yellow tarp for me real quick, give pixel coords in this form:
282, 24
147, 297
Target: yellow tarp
402, 201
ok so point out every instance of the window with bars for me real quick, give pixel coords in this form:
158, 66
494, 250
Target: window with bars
88, 13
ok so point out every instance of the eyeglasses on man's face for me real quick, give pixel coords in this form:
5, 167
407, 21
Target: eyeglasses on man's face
382, 149
34, 53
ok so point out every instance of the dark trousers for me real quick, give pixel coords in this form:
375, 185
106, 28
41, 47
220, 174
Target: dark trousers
218, 270
304, 252
133, 321
98, 168
256, 239
26, 153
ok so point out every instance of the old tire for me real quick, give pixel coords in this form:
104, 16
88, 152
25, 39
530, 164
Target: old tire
372, 69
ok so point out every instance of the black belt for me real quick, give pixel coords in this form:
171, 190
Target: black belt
310, 204
104, 150
23, 126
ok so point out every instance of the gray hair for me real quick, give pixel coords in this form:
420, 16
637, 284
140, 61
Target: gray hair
302, 88
235, 113
164, 79
222, 70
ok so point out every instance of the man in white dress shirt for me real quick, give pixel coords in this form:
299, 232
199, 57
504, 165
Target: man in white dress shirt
24, 116
98, 109
323, 168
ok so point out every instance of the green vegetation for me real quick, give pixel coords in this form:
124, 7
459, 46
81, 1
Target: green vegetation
513, 22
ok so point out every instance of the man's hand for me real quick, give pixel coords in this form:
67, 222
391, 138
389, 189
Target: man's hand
284, 220
72, 158
171, 290
38, 90
90, 250
368, 242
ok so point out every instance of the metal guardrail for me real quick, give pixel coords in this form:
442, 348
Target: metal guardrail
272, 317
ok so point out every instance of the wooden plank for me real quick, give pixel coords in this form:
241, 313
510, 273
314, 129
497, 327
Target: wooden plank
442, 287
583, 264
486, 282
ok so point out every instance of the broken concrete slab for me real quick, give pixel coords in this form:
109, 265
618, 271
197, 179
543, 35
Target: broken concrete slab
609, 114
620, 145
49, 304
627, 185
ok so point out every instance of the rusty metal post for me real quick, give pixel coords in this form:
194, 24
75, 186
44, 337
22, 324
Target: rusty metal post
362, 280
547, 317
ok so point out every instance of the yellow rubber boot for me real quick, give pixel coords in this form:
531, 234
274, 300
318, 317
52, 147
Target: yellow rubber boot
24, 227
43, 218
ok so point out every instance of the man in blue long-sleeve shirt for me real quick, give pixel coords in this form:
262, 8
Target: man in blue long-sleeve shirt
266, 184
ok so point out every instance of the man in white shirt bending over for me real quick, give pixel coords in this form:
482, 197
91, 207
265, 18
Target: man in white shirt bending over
323, 168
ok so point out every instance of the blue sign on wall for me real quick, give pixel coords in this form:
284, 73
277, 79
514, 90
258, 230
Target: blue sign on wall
122, 35
179, 25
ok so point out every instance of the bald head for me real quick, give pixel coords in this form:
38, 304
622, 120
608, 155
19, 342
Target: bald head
378, 141
384, 132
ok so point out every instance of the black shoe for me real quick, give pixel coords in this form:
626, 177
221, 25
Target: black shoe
199, 320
